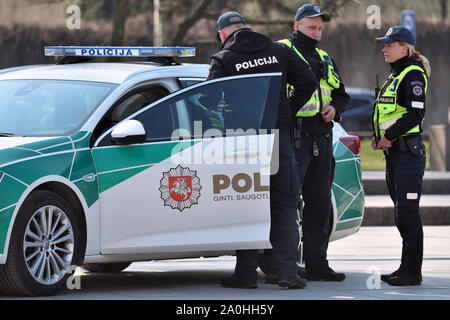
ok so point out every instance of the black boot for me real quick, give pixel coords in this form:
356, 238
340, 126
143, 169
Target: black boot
239, 282
396, 273
406, 279
325, 275
293, 282
386, 277
272, 278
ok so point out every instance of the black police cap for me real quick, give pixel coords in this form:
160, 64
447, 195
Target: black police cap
227, 19
311, 11
398, 33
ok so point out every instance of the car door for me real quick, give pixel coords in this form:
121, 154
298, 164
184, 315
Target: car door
200, 179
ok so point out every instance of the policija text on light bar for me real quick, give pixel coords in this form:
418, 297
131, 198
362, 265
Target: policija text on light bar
121, 51
107, 52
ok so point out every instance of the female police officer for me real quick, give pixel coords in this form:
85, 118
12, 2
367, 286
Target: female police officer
397, 121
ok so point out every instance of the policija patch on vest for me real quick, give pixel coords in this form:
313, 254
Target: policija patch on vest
417, 90
388, 100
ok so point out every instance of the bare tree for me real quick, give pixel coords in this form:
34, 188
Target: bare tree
157, 28
333, 6
173, 33
444, 9
174, 18
286, 10
120, 14
195, 15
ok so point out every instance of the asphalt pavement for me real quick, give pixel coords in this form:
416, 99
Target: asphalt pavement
362, 257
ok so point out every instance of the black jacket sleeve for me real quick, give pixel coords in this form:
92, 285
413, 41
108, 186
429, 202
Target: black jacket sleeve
302, 78
412, 96
340, 98
216, 69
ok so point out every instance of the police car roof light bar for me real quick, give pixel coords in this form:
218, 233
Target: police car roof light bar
82, 51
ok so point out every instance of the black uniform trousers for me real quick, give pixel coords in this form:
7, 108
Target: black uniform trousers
316, 177
316, 174
284, 230
404, 173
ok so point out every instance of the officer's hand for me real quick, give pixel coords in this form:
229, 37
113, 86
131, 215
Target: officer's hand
384, 144
374, 144
328, 114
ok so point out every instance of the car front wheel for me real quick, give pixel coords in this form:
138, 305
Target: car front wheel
46, 240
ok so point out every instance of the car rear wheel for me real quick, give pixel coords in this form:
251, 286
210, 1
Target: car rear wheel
46, 240
106, 267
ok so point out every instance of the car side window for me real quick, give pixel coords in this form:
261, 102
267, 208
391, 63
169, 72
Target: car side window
239, 104
231, 104
187, 82
159, 122
126, 106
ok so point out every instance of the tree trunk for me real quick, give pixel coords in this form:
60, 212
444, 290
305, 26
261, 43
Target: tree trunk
444, 9
166, 10
120, 14
157, 25
195, 15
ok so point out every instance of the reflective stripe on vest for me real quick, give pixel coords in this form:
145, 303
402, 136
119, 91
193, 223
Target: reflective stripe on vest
386, 125
327, 85
387, 110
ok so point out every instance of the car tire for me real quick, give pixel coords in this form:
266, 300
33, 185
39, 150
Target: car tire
47, 239
106, 267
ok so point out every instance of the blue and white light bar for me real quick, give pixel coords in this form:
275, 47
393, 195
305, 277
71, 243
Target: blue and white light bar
175, 52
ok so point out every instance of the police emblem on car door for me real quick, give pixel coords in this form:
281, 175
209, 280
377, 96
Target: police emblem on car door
180, 188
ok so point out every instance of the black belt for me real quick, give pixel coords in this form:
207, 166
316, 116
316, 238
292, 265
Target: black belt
399, 145
405, 144
309, 134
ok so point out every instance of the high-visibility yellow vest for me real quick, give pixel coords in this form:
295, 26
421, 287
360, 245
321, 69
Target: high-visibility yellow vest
387, 110
329, 82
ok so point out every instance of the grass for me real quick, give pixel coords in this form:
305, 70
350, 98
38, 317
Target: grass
374, 160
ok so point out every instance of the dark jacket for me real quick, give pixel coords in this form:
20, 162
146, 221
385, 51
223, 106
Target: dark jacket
246, 45
411, 89
307, 47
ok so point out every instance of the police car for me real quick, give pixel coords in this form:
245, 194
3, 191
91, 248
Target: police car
103, 164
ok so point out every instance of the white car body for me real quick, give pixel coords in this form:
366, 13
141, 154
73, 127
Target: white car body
130, 221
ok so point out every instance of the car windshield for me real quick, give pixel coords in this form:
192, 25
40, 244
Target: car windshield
48, 107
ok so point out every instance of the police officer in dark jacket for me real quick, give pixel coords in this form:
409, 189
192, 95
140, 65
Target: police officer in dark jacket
397, 121
315, 154
241, 45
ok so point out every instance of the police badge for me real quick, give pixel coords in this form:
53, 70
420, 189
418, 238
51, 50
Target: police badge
180, 188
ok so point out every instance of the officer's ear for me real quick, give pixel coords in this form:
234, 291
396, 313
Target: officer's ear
405, 48
296, 25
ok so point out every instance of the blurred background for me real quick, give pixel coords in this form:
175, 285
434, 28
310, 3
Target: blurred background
26, 26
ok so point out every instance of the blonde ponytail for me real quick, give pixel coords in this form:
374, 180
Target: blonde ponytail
426, 64
421, 58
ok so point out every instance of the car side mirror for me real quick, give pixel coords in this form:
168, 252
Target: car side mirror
129, 132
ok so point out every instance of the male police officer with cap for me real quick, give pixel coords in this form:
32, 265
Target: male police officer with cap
315, 153
241, 44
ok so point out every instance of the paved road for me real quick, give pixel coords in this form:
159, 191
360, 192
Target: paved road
362, 256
